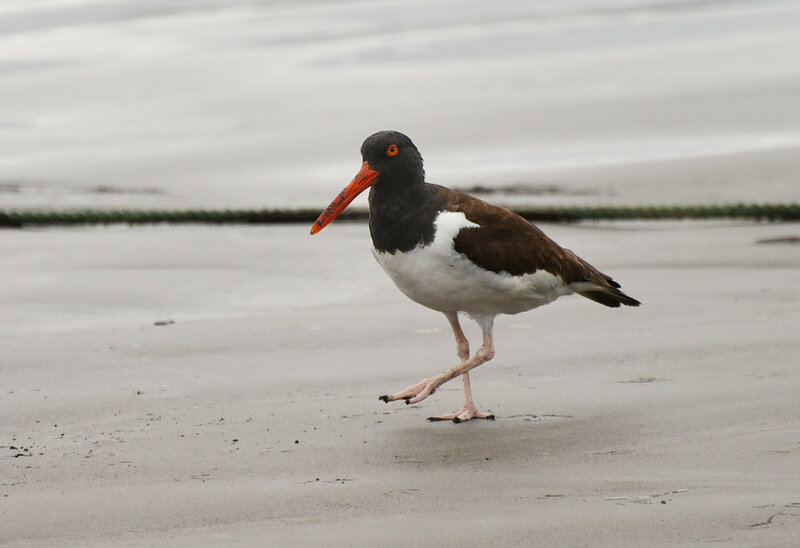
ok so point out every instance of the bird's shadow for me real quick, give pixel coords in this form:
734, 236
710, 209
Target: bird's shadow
506, 440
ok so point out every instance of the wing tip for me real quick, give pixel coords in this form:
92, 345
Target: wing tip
612, 299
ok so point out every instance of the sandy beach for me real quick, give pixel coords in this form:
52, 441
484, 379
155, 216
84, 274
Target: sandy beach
218, 386
253, 419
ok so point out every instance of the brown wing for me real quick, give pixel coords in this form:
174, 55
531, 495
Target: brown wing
506, 242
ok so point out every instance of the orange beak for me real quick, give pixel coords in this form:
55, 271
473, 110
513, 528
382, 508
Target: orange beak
362, 181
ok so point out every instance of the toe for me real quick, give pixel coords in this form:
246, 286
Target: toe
467, 413
448, 417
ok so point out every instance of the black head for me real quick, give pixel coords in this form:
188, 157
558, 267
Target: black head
391, 162
394, 156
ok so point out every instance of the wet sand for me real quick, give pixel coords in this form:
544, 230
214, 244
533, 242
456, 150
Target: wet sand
238, 103
249, 415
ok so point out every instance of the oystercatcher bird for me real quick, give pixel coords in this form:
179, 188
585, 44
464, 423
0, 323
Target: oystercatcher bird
455, 253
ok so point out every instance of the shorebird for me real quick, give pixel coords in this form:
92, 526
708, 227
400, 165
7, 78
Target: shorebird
454, 253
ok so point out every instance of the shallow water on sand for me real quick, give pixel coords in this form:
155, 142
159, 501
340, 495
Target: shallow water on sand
242, 103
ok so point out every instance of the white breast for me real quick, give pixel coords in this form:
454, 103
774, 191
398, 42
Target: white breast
438, 277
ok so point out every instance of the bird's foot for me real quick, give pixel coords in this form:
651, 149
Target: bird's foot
468, 412
415, 393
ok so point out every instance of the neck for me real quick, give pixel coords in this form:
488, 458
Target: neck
391, 195
401, 216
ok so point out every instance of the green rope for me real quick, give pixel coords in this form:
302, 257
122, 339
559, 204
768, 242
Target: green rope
22, 218
759, 212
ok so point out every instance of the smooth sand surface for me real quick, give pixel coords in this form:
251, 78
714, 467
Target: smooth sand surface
253, 419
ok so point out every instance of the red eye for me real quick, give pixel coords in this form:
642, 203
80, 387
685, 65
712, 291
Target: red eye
393, 150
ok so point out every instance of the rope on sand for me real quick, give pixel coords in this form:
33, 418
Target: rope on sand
25, 218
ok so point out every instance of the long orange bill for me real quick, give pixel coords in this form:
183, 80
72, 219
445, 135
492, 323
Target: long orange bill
362, 181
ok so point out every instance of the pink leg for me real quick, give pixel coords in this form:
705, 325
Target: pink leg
426, 387
462, 344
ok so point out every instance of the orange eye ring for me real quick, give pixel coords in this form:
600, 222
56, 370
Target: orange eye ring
393, 150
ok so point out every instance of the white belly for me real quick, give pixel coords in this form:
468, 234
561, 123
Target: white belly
439, 278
